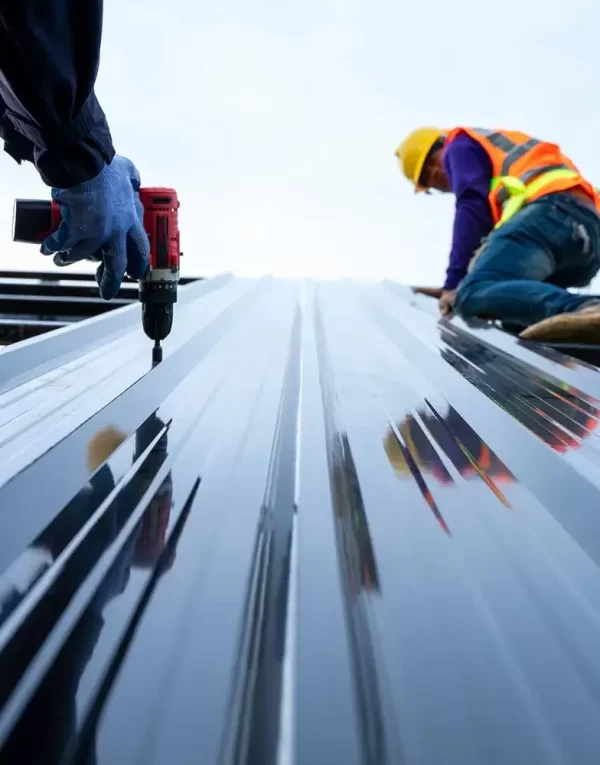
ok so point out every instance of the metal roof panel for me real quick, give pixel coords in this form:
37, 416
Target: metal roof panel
328, 527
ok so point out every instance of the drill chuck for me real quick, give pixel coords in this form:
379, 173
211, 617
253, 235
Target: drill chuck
157, 300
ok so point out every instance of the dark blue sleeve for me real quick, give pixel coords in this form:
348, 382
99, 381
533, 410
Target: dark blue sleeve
49, 54
469, 170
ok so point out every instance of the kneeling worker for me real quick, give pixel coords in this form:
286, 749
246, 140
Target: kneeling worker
526, 227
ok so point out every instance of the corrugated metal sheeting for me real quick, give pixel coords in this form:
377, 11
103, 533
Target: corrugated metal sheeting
326, 529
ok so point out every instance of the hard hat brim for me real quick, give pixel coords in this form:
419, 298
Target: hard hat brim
419, 169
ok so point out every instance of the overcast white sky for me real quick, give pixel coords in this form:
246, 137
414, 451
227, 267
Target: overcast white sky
277, 121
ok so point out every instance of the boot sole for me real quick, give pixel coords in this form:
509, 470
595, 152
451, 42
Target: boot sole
577, 328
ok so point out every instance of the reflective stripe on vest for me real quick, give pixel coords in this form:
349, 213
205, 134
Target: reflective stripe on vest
513, 151
497, 139
516, 191
520, 150
527, 178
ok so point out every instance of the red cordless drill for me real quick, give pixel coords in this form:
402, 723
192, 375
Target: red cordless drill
34, 219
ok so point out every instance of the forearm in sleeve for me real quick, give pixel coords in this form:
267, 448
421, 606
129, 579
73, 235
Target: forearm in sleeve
472, 222
49, 55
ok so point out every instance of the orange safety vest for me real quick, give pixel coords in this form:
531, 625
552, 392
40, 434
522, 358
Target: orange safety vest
523, 169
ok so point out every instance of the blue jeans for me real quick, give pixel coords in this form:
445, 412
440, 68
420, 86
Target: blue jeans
525, 265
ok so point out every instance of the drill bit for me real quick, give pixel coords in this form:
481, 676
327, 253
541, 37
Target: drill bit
156, 353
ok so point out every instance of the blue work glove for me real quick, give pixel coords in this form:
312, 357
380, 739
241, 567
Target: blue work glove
102, 220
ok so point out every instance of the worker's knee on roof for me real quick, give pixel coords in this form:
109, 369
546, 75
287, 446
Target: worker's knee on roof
469, 301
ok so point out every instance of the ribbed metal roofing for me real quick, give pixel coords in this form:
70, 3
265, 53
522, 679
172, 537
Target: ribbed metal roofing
328, 528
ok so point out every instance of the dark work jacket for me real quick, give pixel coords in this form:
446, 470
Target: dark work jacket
49, 54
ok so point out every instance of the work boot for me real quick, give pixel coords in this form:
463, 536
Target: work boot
582, 326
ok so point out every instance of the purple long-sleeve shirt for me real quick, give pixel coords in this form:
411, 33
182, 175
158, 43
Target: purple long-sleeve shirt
469, 170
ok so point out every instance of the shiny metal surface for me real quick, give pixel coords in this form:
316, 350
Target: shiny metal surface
329, 528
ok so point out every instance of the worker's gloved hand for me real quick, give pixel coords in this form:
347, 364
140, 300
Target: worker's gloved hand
102, 220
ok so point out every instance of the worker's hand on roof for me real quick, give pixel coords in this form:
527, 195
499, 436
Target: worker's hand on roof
102, 220
446, 302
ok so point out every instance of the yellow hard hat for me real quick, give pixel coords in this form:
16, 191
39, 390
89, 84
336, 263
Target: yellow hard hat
413, 152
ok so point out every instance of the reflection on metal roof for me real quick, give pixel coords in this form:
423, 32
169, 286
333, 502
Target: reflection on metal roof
327, 528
